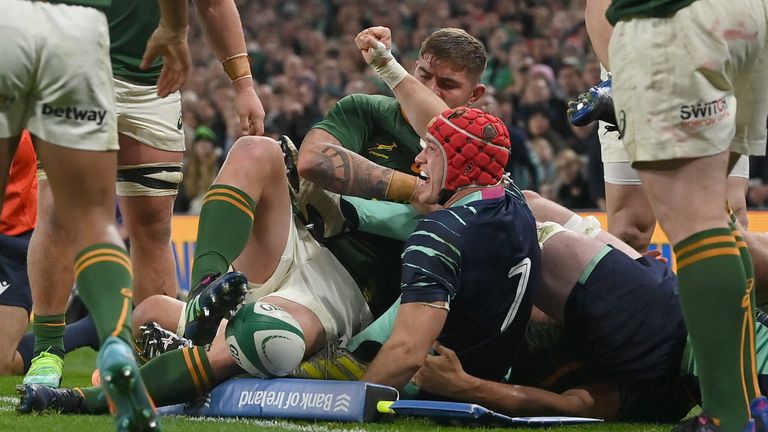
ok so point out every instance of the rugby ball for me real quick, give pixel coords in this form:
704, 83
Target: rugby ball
265, 340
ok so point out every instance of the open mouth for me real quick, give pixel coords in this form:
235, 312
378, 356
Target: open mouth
424, 176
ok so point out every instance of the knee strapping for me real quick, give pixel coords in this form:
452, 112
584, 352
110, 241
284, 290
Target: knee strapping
155, 179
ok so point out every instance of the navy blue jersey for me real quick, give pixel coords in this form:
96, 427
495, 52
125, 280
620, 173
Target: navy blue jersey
482, 256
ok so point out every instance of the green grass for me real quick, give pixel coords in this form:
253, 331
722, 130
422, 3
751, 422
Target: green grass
80, 364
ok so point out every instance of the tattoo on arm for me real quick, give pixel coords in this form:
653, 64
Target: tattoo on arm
349, 173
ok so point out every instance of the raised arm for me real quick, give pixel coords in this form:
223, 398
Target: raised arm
221, 22
418, 102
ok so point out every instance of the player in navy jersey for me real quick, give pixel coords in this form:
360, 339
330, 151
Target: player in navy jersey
470, 270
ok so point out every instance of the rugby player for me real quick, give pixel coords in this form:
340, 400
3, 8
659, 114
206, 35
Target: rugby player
16, 224
686, 118
67, 104
149, 161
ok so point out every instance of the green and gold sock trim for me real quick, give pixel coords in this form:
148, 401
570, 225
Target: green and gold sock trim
231, 195
101, 253
706, 244
199, 369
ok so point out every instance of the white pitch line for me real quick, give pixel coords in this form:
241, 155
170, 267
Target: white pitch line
275, 423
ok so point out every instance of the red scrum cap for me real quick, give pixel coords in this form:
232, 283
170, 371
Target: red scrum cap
475, 144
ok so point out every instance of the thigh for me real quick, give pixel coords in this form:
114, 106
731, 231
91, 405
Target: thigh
13, 321
687, 195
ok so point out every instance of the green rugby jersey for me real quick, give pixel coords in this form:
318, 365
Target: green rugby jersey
131, 23
374, 127
622, 9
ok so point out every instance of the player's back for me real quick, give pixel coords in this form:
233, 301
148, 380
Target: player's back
498, 264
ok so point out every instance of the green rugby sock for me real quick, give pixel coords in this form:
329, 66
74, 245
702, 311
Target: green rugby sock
49, 334
103, 275
177, 376
226, 219
715, 305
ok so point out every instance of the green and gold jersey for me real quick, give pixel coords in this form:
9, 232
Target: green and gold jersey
373, 126
622, 9
131, 23
98, 4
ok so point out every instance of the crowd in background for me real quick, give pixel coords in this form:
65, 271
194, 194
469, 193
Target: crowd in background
304, 59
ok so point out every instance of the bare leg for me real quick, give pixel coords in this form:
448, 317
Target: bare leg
630, 217
13, 321
148, 221
49, 258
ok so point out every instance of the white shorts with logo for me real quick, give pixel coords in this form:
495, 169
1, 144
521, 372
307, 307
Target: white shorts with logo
677, 80
55, 75
148, 118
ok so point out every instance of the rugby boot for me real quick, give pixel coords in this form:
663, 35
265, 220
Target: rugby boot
331, 362
215, 302
593, 105
38, 397
46, 369
154, 340
128, 400
706, 423
291, 157
759, 411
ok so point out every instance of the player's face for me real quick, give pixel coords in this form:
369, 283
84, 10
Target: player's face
432, 163
448, 82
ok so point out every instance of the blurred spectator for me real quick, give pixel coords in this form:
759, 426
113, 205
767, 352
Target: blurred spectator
572, 189
304, 59
545, 156
200, 170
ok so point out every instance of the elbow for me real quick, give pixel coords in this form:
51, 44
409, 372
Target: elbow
310, 162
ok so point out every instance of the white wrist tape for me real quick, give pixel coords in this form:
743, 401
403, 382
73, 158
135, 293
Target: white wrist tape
588, 226
392, 72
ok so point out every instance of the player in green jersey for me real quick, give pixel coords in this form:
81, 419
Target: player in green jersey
149, 166
686, 117
67, 103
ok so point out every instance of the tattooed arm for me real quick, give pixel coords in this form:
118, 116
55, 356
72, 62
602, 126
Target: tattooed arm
324, 161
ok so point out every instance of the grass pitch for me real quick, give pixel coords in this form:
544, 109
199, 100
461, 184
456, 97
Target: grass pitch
80, 364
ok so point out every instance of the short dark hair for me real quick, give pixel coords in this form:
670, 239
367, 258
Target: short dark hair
457, 47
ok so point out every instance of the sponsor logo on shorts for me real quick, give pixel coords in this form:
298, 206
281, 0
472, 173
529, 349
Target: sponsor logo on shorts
704, 113
4, 285
179, 124
75, 113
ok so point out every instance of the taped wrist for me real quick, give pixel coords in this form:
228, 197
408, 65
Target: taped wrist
401, 187
237, 67
589, 225
388, 69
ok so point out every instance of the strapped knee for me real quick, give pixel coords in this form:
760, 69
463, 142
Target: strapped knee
155, 179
